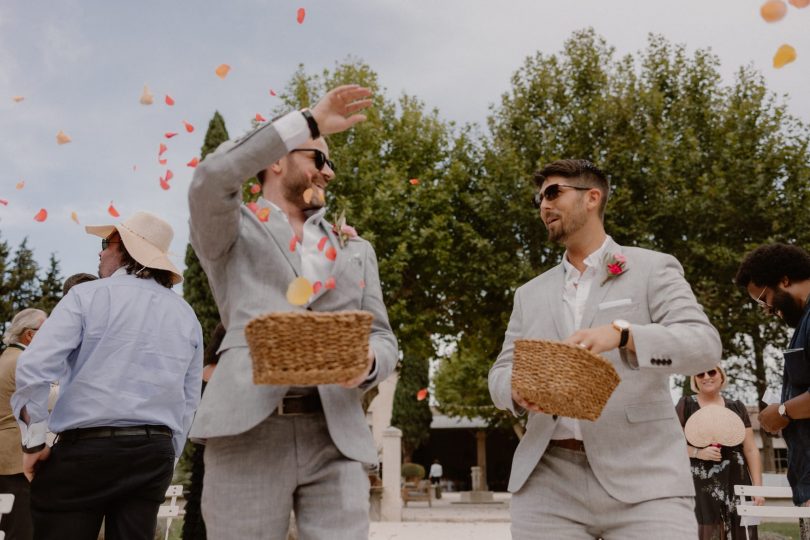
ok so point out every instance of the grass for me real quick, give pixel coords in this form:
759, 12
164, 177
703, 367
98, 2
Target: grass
791, 530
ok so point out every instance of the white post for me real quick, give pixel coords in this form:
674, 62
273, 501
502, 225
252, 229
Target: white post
392, 468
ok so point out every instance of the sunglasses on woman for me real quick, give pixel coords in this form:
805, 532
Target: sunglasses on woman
710, 373
320, 158
552, 192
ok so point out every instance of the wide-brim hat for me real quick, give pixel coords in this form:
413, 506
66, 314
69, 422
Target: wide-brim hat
147, 239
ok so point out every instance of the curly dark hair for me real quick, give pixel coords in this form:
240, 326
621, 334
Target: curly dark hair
133, 267
582, 169
767, 265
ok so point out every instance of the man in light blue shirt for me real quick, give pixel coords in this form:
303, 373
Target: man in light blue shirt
127, 352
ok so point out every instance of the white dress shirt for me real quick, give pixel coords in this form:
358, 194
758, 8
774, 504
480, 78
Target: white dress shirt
575, 294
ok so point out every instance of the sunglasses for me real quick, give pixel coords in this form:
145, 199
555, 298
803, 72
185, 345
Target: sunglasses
710, 373
767, 308
105, 243
320, 158
552, 192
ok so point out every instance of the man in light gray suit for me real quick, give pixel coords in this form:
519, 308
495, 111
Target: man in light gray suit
625, 476
274, 448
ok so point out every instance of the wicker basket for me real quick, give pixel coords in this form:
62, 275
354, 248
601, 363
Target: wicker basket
714, 424
307, 348
563, 379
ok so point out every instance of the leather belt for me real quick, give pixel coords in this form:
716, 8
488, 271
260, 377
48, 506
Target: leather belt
106, 432
295, 405
568, 444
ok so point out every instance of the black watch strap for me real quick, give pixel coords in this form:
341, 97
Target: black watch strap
624, 338
34, 449
313, 125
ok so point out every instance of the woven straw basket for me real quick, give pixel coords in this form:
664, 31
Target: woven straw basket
714, 424
563, 379
307, 348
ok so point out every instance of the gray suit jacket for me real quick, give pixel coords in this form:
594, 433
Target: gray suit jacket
636, 448
249, 266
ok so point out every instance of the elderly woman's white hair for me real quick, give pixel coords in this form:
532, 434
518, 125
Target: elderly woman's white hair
30, 318
720, 370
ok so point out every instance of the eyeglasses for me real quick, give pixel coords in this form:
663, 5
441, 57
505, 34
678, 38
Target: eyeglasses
105, 243
710, 373
767, 308
320, 158
552, 192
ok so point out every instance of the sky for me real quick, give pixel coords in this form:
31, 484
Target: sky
81, 66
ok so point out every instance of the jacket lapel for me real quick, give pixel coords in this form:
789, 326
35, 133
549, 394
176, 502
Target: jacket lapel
555, 300
600, 287
282, 234
339, 264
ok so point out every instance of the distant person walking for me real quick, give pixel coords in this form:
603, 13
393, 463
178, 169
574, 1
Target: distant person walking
435, 475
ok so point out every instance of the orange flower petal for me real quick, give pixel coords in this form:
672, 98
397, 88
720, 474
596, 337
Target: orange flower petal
300, 15
162, 149
112, 211
362, 283
773, 10
252, 206
146, 97
421, 394
169, 174
299, 291
222, 70
41, 216
75, 218
414, 181
255, 188
263, 214
62, 138
293, 242
169, 101
18, 99
330, 283
260, 118
189, 127
799, 3
785, 55
20, 184
163, 161
308, 195
316, 287
169, 134
272, 92
331, 253
164, 184
134, 168
193, 163
321, 243
4, 202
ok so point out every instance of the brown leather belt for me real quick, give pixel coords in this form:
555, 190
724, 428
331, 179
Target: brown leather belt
111, 432
568, 444
294, 405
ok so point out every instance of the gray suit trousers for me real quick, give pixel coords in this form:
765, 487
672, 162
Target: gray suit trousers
253, 480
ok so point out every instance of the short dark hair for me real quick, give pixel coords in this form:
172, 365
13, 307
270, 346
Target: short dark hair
767, 265
163, 277
582, 169
75, 279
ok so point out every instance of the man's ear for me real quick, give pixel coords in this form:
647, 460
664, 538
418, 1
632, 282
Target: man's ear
276, 167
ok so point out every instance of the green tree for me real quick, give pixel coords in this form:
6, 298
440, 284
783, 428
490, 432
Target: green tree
6, 311
21, 278
50, 287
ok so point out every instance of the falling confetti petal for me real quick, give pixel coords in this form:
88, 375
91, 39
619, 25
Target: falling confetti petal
255, 188
331, 253
164, 184
414, 181
301, 14
330, 283
308, 195
62, 138
785, 55
362, 283
75, 218
299, 291
134, 168
169, 134
222, 70
252, 206
20, 184
316, 287
169, 175
321, 243
41, 216
773, 10
169, 100
146, 97
112, 211
162, 149
272, 92
163, 161
4, 202
421, 394
18, 99
189, 127
193, 163
263, 214
260, 118
293, 242
799, 3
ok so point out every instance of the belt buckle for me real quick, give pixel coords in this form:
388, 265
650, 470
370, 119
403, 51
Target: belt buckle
280, 409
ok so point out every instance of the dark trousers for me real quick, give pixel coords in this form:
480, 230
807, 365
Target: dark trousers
122, 480
17, 524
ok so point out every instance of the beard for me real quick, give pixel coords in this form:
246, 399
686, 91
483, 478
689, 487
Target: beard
295, 183
568, 225
790, 309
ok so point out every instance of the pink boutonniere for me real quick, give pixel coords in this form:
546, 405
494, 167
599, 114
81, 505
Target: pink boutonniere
616, 264
343, 231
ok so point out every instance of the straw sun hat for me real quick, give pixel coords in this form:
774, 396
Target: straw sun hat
147, 239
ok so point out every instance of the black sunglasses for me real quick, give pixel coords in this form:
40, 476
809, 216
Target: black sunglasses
105, 243
552, 192
710, 373
320, 158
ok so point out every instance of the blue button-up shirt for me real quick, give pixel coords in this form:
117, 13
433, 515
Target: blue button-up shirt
126, 351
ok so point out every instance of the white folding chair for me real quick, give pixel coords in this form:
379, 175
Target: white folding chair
745, 509
6, 502
171, 510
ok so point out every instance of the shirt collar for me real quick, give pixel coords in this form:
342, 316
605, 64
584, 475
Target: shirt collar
591, 261
120, 272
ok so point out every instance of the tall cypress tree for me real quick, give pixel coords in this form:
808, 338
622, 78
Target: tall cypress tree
6, 313
21, 279
50, 287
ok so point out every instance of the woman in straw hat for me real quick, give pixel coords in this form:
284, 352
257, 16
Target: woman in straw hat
716, 469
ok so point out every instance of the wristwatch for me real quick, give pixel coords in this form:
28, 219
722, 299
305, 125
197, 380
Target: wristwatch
314, 131
624, 328
783, 411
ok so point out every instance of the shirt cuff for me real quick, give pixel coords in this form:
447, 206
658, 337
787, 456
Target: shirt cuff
293, 129
33, 435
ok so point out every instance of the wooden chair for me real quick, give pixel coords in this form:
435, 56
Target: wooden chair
417, 491
6, 502
747, 509
171, 510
